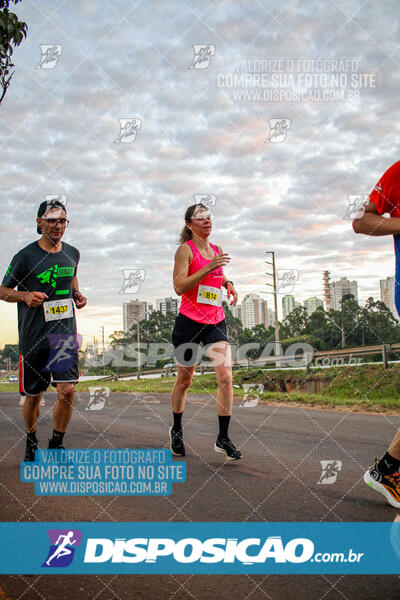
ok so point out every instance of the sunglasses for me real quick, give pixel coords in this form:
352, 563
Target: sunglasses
53, 222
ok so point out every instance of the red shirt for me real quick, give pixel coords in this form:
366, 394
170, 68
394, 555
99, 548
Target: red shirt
386, 193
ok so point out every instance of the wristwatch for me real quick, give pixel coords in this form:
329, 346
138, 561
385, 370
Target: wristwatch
226, 284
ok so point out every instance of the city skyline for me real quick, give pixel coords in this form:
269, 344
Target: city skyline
293, 193
118, 311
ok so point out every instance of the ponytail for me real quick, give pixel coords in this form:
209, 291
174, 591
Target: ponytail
185, 235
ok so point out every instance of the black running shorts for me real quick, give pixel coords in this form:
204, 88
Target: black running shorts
187, 335
37, 369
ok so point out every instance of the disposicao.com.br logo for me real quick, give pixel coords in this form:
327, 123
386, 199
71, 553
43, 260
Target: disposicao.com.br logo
247, 551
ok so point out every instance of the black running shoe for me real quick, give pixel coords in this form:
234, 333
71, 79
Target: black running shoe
225, 446
30, 450
176, 442
387, 485
54, 446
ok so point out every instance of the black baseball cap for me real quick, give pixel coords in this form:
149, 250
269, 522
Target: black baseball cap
45, 206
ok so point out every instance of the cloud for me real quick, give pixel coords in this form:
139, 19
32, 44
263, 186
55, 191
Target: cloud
126, 201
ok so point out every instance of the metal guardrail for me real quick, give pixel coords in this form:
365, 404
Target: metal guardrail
285, 360
307, 359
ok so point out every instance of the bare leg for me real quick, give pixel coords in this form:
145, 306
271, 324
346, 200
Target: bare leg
394, 448
182, 384
63, 406
31, 412
221, 356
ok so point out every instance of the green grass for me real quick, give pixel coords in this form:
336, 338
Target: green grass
365, 387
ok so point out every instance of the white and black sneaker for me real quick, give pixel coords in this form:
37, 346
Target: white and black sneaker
30, 450
176, 442
53, 445
225, 446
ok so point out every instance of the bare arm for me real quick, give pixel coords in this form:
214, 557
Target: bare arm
182, 282
80, 300
75, 284
9, 295
371, 223
32, 299
230, 289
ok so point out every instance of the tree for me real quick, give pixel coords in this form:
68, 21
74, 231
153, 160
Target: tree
10, 351
295, 323
233, 324
12, 32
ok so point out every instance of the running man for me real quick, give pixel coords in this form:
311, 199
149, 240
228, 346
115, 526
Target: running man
198, 278
45, 275
384, 476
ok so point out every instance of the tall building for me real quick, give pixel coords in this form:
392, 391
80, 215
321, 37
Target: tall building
133, 311
311, 304
271, 317
236, 311
288, 304
327, 290
387, 294
341, 288
254, 311
166, 305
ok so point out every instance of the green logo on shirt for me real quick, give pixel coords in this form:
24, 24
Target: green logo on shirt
8, 271
51, 275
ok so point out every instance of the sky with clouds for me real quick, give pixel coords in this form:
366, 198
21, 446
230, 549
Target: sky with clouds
132, 60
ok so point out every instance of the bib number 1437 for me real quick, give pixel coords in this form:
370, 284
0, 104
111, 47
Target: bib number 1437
58, 309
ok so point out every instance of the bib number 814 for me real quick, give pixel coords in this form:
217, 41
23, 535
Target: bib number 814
210, 295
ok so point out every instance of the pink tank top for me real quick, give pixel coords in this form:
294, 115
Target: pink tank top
203, 312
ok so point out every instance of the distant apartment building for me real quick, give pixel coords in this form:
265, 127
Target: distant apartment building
311, 304
254, 311
387, 287
271, 318
134, 311
341, 288
167, 305
288, 304
236, 311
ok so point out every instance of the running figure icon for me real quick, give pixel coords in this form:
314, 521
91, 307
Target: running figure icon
62, 549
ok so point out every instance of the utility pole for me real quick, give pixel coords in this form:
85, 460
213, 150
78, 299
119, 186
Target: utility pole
343, 332
274, 292
104, 362
138, 346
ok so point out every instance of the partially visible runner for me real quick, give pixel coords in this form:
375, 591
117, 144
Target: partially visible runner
198, 278
384, 476
45, 275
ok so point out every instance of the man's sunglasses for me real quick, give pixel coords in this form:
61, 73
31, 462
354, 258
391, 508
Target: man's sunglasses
53, 222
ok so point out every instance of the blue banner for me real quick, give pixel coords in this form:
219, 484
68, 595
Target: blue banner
200, 548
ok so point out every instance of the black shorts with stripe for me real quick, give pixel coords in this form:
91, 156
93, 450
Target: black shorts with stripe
188, 334
39, 368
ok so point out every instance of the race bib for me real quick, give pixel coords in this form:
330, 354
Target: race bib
58, 309
209, 295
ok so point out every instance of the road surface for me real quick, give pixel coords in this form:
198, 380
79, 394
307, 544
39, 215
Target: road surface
275, 481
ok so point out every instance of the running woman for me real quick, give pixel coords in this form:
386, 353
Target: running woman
198, 278
45, 275
384, 476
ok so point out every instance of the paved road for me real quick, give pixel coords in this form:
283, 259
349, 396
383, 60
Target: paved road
275, 481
